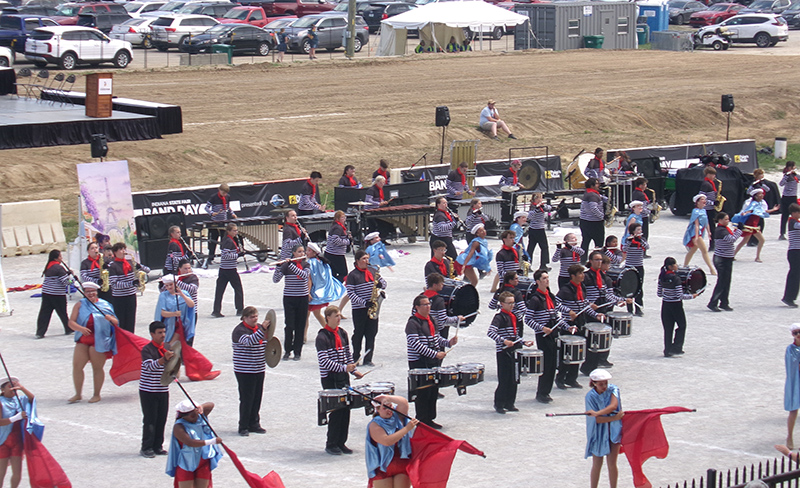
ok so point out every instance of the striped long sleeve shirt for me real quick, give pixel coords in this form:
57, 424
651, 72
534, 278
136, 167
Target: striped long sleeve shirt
248, 349
504, 327
229, 253
190, 284
567, 256
537, 216
359, 289
296, 277
291, 238
124, 284
90, 271
592, 207
519, 302
724, 240
615, 255
507, 260
638, 194
332, 360
151, 371
793, 234
420, 343
789, 184
174, 256
539, 315
473, 219
443, 224
217, 204
709, 189
308, 197
55, 280
373, 197
634, 251
568, 294
670, 288
455, 186
337, 240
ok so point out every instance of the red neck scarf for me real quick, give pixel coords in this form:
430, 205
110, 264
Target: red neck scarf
646, 198
602, 164
342, 226
126, 266
253, 330
177, 243
598, 277
429, 293
367, 274
296, 228
546, 293
160, 348
516, 255
514, 174
578, 291
442, 266
637, 242
380, 193
336, 336
592, 190
353, 181
430, 322
463, 177
95, 263
313, 188
51, 264
382, 172
224, 201
447, 214
730, 231
713, 184
236, 244
513, 319
574, 254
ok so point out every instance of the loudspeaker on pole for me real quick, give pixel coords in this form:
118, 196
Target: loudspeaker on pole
442, 116
727, 103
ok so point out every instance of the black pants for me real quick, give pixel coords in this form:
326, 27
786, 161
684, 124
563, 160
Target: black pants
425, 403
646, 229
506, 393
366, 329
338, 266
592, 358
296, 311
538, 237
592, 231
228, 276
251, 389
125, 310
339, 419
712, 225
793, 277
213, 239
671, 315
451, 249
563, 281
723, 287
550, 360
49, 304
106, 295
155, 407
639, 296
786, 200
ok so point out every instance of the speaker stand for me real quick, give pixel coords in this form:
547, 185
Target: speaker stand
441, 157
728, 131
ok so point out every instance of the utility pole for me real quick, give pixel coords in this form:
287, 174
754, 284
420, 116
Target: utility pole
350, 33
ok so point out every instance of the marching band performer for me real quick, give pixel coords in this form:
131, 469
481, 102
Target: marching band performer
612, 250
228, 274
509, 285
382, 171
635, 247
789, 183
567, 255
603, 426
123, 279
723, 261
477, 255
194, 450
791, 389
543, 316
439, 263
425, 350
296, 290
249, 364
335, 365
376, 199
793, 256
378, 255
695, 231
338, 241
153, 396
13, 408
91, 269
293, 236
507, 258
639, 193
189, 283
474, 217
511, 176
93, 321
54, 294
388, 446
636, 215
309, 195
709, 188
435, 284
537, 235
348, 179
506, 331
592, 218
173, 305
597, 293
442, 228
324, 288
518, 227
175, 250
670, 290
457, 185
595, 168
754, 211
219, 208
360, 284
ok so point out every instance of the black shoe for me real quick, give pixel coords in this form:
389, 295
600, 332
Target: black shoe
544, 399
369, 363
713, 308
646, 256
668, 354
575, 384
257, 430
512, 408
782, 238
790, 303
511, 136
147, 453
441, 395
334, 451
286, 356
546, 268
217, 315
677, 353
585, 372
606, 364
296, 357
238, 313
500, 410
37, 336
433, 424
244, 432
345, 449
160, 452
726, 308
560, 385
639, 313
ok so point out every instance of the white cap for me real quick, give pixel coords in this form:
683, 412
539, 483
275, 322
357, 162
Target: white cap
600, 375
168, 278
636, 202
520, 214
755, 191
314, 248
476, 227
697, 197
5, 379
90, 285
795, 326
372, 235
184, 407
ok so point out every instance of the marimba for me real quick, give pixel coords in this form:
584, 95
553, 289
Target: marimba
411, 220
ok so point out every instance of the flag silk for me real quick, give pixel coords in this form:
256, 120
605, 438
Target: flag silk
127, 363
643, 437
271, 480
432, 456
43, 470
197, 367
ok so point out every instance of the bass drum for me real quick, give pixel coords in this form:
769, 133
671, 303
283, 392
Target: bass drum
625, 281
693, 278
526, 286
460, 298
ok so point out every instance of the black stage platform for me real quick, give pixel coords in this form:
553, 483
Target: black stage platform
38, 123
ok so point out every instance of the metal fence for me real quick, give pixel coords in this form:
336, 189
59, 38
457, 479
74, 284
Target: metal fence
671, 41
783, 474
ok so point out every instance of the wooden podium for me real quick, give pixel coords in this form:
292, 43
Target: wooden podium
98, 94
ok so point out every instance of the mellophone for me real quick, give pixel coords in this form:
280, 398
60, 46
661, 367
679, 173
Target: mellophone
336, 399
461, 376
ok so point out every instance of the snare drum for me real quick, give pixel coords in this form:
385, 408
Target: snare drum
599, 337
529, 361
358, 398
693, 278
446, 376
571, 349
470, 373
625, 281
332, 400
421, 378
620, 323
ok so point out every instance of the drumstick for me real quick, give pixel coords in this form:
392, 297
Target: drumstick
366, 353
373, 369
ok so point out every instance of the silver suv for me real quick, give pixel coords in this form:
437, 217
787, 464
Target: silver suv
330, 31
171, 30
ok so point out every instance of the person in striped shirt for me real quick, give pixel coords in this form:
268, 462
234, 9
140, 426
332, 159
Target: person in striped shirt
425, 348
435, 282
249, 365
335, 365
567, 255
440, 263
537, 235
309, 196
293, 235
509, 285
219, 209
507, 258
54, 294
175, 250
90, 269
339, 240
456, 184
506, 331
723, 261
789, 183
296, 274
708, 187
592, 218
228, 274
510, 177
189, 283
442, 228
670, 290
153, 396
123, 280
474, 217
612, 250
635, 247
793, 256
359, 284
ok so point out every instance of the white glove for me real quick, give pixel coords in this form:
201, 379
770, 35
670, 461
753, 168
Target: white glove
16, 418
210, 442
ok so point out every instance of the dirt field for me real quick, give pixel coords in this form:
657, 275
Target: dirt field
259, 122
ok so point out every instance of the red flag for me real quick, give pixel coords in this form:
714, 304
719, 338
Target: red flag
271, 480
197, 367
432, 456
127, 363
43, 469
643, 437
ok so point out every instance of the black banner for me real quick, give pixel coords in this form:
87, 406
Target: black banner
742, 154
246, 200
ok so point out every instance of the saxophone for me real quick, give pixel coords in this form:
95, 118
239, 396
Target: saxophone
376, 298
655, 208
451, 269
720, 199
104, 283
142, 280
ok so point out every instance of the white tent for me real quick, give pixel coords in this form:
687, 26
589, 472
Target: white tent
437, 22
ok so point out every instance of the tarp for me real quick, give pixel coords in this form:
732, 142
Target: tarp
442, 20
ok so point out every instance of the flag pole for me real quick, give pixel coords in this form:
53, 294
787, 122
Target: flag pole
16, 395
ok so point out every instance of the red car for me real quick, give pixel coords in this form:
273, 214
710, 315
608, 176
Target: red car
67, 13
715, 14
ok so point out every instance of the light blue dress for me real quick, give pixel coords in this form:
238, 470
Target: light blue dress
188, 458
791, 390
168, 303
375, 251
324, 288
481, 259
105, 339
631, 218
698, 215
379, 456
10, 407
599, 436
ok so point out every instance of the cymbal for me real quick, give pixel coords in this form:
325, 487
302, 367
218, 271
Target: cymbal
172, 368
273, 323
509, 188
358, 204
529, 176
272, 352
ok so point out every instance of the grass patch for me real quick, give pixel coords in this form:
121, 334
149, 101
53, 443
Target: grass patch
780, 114
768, 162
70, 229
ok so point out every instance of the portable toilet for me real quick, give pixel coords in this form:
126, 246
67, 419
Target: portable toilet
656, 12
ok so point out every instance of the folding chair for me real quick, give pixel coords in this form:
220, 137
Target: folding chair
40, 82
24, 73
54, 88
65, 88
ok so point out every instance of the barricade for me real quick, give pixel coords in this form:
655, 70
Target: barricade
32, 227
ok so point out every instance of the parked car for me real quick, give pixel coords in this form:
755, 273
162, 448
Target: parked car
171, 30
6, 57
277, 8
173, 6
136, 9
378, 11
330, 29
135, 31
762, 29
67, 13
361, 5
792, 16
15, 29
45, 10
715, 14
279, 22
69, 46
102, 21
681, 10
216, 10
246, 15
244, 39
767, 7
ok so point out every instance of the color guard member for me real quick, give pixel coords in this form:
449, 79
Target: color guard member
194, 450
603, 426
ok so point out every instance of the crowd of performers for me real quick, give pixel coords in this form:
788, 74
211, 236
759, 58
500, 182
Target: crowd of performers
319, 283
